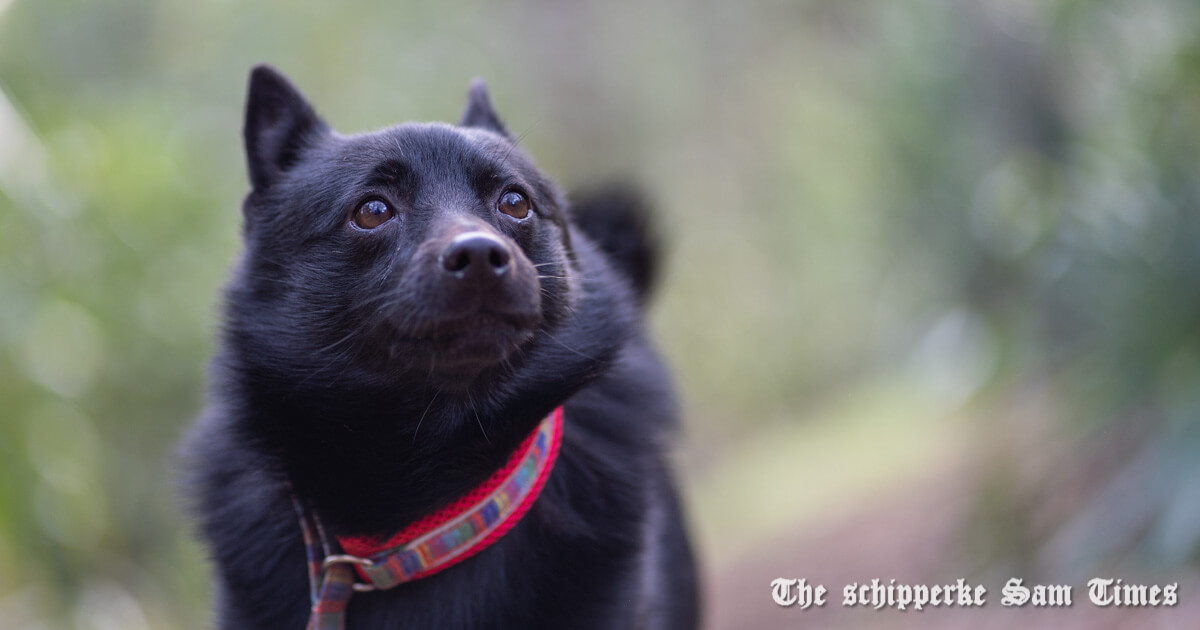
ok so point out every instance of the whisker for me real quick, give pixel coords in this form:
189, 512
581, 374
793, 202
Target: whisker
426, 412
556, 340
515, 143
471, 404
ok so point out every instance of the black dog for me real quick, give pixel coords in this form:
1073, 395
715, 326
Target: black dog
409, 306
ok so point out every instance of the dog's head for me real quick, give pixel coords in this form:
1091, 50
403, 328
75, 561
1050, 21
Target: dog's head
421, 253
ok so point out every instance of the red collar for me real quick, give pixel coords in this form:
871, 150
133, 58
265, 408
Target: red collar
435, 542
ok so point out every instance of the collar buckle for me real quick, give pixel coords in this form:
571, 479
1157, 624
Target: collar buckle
343, 558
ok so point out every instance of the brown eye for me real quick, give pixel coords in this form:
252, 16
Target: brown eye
514, 204
372, 214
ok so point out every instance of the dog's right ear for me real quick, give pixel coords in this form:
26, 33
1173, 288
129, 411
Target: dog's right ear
479, 111
279, 122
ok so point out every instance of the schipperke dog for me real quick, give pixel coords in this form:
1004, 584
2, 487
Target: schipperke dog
433, 390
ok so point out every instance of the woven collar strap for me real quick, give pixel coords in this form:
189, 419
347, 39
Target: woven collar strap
433, 543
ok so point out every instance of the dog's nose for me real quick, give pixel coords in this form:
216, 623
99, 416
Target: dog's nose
476, 255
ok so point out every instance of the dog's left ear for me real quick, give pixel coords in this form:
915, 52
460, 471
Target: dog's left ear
479, 112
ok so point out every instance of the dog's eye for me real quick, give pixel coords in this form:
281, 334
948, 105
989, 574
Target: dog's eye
514, 204
372, 213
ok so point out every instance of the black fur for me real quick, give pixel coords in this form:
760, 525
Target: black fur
616, 216
382, 380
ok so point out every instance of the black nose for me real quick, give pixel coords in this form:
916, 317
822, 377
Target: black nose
476, 255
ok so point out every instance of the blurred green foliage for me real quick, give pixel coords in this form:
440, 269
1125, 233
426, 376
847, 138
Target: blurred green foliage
977, 199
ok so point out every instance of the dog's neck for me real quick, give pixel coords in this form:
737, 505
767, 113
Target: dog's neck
378, 463
372, 461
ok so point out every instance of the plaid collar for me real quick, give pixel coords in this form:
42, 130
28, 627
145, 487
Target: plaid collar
336, 569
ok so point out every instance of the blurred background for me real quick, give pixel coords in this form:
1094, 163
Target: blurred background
932, 300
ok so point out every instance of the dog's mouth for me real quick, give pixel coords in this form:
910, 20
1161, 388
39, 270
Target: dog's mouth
471, 343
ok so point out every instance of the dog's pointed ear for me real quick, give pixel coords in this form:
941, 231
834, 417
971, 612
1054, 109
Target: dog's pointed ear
279, 122
479, 111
